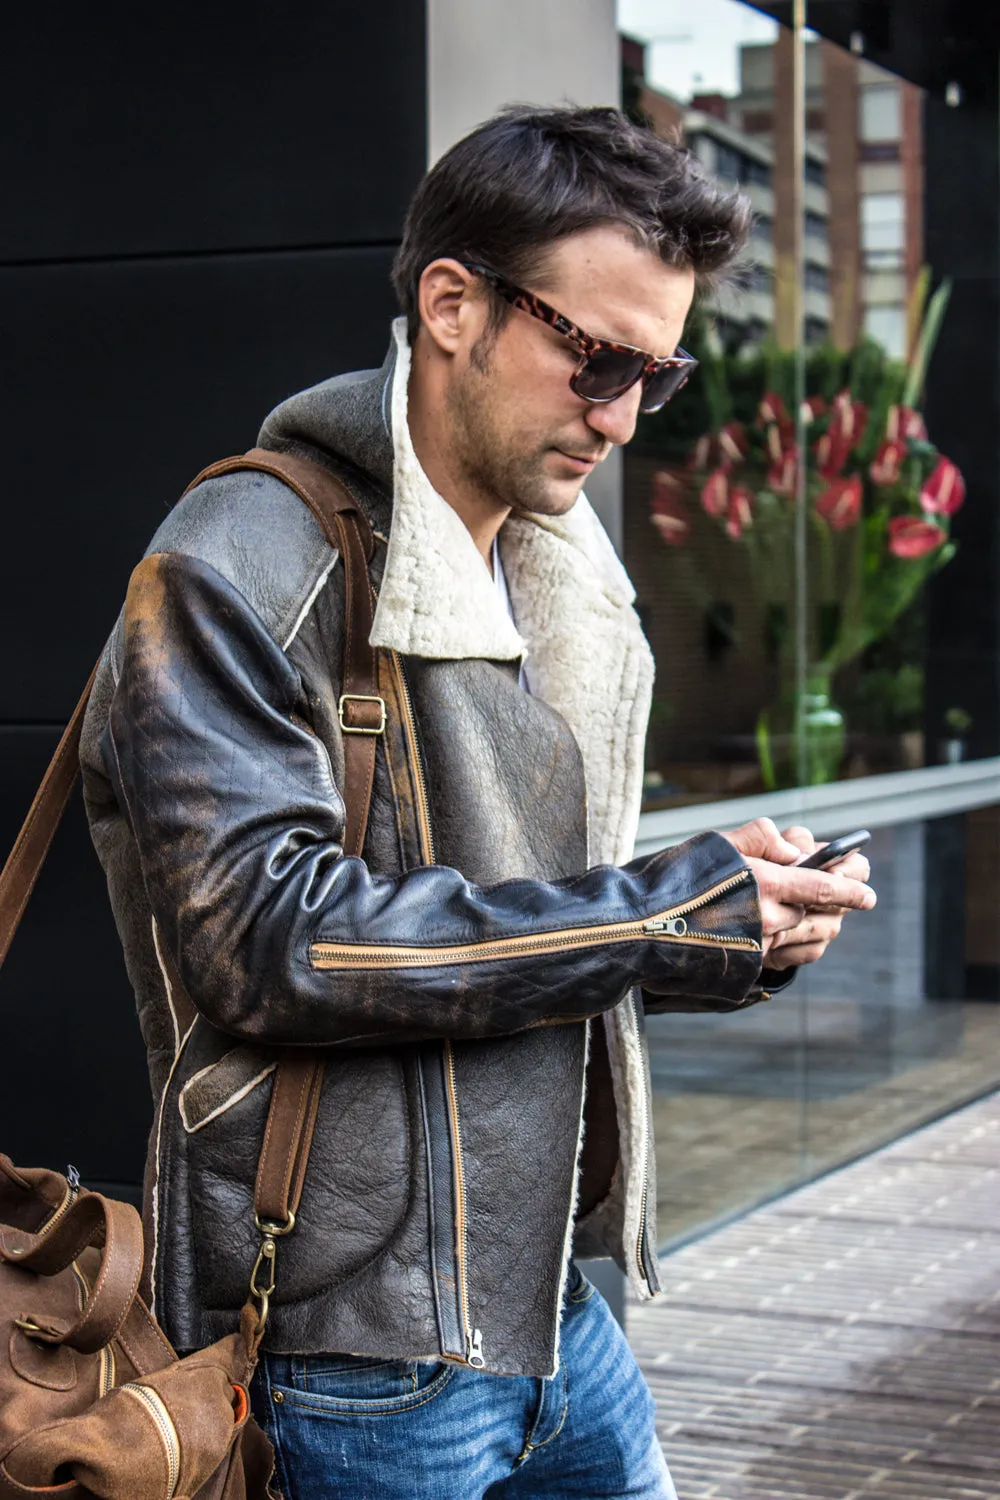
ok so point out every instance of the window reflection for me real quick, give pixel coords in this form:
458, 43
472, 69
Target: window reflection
901, 1019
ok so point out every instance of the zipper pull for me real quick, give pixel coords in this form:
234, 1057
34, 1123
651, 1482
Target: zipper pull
666, 926
474, 1349
73, 1179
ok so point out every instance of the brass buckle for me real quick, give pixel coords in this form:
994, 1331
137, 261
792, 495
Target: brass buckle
359, 698
270, 1230
272, 1227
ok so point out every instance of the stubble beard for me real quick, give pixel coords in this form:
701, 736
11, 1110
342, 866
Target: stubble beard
487, 458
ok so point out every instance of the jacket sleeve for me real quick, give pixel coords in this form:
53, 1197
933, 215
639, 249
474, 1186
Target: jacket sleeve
278, 936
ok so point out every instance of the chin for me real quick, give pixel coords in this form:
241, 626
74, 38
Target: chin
553, 498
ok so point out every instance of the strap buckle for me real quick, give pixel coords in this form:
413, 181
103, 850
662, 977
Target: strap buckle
360, 728
266, 1257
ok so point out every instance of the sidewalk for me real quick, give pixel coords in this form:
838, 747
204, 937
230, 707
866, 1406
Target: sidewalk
845, 1341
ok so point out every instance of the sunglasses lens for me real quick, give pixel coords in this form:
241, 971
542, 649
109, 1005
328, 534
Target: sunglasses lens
607, 374
664, 384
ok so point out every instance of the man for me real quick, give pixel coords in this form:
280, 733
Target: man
484, 1109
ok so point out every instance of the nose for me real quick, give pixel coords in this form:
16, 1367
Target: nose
615, 420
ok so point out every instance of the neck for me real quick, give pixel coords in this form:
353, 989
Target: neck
431, 436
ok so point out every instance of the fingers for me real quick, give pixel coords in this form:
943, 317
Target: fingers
805, 943
801, 838
795, 955
777, 918
855, 867
814, 888
761, 840
815, 928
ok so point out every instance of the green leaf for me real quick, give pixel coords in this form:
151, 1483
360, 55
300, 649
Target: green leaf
927, 338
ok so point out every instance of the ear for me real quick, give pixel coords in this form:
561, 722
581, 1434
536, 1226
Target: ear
451, 304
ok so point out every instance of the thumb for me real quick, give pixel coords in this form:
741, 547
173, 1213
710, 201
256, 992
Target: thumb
761, 840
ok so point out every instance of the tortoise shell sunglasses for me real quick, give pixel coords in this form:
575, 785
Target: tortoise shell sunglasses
606, 369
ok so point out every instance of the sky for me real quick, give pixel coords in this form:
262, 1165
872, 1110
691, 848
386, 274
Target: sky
694, 44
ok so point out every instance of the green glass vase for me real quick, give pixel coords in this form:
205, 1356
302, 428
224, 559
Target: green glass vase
787, 761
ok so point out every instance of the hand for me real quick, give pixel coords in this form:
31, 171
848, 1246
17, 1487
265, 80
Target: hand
801, 910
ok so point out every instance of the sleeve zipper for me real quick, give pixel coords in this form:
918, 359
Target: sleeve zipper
668, 925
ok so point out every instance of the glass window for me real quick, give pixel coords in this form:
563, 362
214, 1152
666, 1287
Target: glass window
881, 112
727, 162
756, 171
887, 324
883, 228
819, 602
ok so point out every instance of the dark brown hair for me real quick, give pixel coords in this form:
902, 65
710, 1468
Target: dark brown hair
529, 177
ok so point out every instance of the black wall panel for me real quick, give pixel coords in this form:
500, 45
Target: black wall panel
201, 206
124, 380
962, 230
206, 124
73, 1082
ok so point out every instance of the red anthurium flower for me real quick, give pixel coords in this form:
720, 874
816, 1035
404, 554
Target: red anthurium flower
740, 512
782, 477
902, 423
886, 463
774, 439
715, 493
701, 453
772, 409
832, 451
944, 491
910, 536
840, 504
848, 420
733, 442
667, 511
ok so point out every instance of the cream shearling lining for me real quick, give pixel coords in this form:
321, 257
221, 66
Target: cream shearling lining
589, 660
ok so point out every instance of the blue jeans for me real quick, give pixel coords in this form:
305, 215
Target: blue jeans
368, 1429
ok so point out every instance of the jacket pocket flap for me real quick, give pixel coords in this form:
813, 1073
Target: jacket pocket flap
213, 1090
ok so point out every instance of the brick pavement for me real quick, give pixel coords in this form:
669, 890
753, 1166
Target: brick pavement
844, 1342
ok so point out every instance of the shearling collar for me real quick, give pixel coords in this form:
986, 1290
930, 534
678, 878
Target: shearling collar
572, 600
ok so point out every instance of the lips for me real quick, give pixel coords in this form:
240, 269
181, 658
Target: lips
575, 458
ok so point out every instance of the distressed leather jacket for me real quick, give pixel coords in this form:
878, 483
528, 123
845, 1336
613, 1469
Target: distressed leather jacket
477, 988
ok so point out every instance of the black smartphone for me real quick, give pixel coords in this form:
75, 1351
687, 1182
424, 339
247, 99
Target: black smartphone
835, 850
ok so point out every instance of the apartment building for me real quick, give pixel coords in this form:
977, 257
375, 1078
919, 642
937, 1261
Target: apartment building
867, 122
711, 126
863, 191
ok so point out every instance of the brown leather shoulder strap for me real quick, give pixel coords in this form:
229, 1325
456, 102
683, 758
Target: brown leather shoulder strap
17, 880
298, 1080
284, 1155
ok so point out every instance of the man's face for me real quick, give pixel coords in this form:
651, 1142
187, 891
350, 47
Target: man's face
521, 435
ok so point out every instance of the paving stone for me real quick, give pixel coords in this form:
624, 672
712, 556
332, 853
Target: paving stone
843, 1343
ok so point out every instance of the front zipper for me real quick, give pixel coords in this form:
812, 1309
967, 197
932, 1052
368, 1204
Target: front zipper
666, 925
473, 1336
106, 1376
165, 1426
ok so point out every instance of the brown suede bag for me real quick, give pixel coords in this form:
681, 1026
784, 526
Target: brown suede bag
93, 1399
